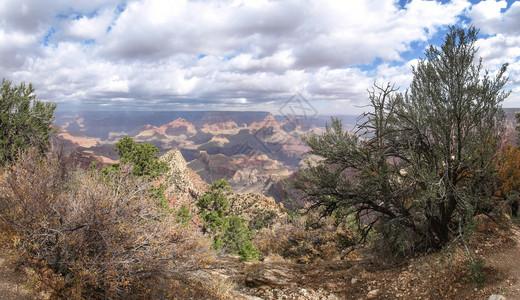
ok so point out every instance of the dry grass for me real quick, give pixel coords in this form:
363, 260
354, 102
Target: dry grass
300, 243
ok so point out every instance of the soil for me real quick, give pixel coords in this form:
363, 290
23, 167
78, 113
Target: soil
13, 283
503, 267
434, 276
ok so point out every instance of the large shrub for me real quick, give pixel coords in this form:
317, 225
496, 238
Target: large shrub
100, 240
419, 167
142, 157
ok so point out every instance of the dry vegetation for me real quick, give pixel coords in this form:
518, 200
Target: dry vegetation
301, 240
83, 235
88, 236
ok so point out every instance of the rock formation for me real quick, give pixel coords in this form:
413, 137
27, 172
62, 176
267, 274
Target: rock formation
183, 186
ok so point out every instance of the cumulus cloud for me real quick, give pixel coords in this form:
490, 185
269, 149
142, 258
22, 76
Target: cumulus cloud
493, 16
500, 20
233, 54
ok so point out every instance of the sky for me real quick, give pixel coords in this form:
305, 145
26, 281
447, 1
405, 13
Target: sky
249, 55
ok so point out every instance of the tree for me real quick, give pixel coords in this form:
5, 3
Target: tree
144, 164
183, 216
419, 168
24, 121
229, 231
143, 158
214, 206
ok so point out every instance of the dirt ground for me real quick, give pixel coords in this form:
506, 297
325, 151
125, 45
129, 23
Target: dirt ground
503, 267
429, 277
13, 283
434, 276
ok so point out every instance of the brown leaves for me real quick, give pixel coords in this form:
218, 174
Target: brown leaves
104, 237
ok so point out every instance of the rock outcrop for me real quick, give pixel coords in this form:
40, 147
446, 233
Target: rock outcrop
269, 122
179, 126
183, 186
244, 173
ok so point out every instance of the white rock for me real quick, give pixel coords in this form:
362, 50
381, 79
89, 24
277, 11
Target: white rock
373, 294
496, 297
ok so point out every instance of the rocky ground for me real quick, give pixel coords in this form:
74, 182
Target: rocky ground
435, 276
14, 284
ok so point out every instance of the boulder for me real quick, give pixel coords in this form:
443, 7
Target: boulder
373, 294
269, 275
485, 223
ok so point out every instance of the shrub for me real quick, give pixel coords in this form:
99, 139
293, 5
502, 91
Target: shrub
474, 271
230, 232
418, 166
508, 169
237, 239
143, 158
305, 242
184, 216
100, 240
24, 121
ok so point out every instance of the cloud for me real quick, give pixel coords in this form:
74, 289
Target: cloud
499, 49
229, 54
323, 33
494, 17
500, 20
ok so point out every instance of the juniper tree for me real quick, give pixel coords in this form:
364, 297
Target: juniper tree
24, 121
229, 231
419, 167
143, 157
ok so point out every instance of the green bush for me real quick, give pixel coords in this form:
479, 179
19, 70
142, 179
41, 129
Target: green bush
183, 216
144, 163
420, 163
24, 121
214, 206
143, 158
230, 232
474, 269
237, 238
248, 252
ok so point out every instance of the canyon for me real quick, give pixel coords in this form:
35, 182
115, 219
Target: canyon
253, 151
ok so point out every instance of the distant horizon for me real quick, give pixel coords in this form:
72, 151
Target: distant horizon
223, 111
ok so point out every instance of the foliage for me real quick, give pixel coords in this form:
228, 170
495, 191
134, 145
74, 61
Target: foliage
99, 241
418, 168
304, 241
214, 206
230, 232
508, 168
24, 121
143, 158
157, 193
262, 219
237, 238
144, 163
184, 216
474, 271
